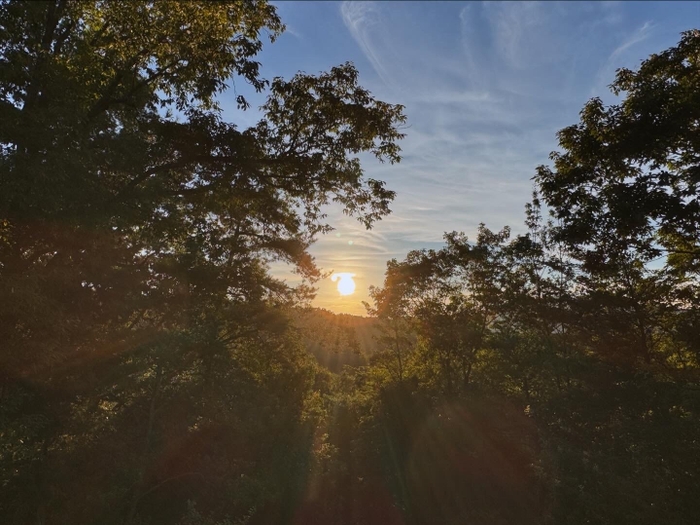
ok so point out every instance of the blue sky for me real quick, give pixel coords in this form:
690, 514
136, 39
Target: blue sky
486, 87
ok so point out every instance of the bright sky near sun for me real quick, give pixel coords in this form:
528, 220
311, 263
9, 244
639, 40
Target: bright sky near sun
486, 87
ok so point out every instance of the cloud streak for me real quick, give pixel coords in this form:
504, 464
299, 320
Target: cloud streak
360, 18
606, 73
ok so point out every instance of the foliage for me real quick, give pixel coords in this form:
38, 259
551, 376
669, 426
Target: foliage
146, 344
584, 323
627, 178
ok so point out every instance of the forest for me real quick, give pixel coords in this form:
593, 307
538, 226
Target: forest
153, 371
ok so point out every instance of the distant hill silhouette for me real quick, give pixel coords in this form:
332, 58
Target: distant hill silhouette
337, 340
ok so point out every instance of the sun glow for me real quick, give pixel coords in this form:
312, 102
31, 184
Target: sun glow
346, 286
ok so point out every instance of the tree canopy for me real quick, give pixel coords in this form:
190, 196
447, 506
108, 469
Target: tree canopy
138, 227
587, 323
123, 187
627, 178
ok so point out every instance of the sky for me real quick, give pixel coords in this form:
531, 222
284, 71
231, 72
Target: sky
485, 85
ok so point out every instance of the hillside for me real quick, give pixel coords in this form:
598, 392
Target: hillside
337, 340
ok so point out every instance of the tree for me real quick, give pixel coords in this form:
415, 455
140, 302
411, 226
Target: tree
450, 298
627, 178
624, 190
137, 226
120, 182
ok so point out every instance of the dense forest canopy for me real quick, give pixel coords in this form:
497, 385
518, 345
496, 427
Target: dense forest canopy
154, 371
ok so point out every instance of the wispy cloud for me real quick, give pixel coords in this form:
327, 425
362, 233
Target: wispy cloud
293, 31
606, 72
361, 18
516, 29
638, 36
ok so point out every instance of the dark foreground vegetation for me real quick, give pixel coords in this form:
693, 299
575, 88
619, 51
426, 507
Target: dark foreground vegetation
153, 372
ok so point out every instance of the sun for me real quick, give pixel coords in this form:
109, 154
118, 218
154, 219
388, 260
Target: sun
346, 286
